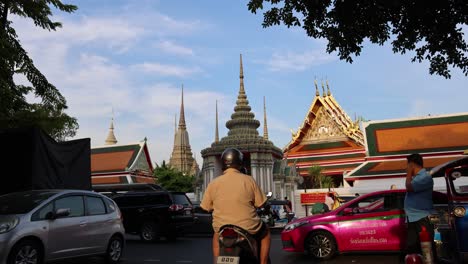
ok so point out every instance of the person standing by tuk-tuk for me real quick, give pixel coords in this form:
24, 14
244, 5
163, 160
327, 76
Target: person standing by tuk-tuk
418, 203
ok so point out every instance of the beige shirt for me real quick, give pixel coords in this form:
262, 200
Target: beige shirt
233, 197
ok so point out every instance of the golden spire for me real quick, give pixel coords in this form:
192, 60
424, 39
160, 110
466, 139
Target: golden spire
316, 88
265, 126
328, 89
323, 89
216, 129
111, 140
182, 112
241, 76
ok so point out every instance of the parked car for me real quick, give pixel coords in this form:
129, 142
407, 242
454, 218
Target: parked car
152, 214
451, 220
203, 221
44, 225
371, 222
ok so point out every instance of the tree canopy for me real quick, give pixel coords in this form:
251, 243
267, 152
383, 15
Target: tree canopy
432, 29
173, 180
15, 110
315, 178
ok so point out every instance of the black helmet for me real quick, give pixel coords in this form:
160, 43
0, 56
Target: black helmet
232, 158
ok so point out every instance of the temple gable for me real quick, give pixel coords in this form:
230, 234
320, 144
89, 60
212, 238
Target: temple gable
323, 128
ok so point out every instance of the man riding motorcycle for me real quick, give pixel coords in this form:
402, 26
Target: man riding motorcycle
233, 197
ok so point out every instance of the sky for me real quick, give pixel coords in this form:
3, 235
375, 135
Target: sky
129, 59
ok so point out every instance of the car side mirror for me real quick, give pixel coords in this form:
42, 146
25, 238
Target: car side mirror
61, 212
348, 211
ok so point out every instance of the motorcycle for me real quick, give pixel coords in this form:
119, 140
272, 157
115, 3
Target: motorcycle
267, 216
237, 246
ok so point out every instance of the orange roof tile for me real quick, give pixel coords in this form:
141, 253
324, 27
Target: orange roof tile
111, 161
398, 139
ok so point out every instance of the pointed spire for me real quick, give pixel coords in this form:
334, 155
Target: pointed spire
111, 140
182, 112
241, 76
216, 129
323, 89
316, 88
328, 89
265, 126
242, 120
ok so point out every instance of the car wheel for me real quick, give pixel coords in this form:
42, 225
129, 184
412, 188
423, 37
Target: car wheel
321, 245
114, 250
26, 251
149, 232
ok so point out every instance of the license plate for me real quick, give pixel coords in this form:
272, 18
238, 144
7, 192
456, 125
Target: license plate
227, 260
187, 212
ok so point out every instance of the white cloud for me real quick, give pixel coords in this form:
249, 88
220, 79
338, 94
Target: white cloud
94, 85
173, 48
166, 25
114, 33
297, 61
166, 69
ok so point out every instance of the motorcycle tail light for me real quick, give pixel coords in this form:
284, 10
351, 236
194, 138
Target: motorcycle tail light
459, 211
229, 233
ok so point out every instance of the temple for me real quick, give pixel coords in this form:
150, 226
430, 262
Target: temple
259, 152
327, 137
437, 138
182, 158
113, 164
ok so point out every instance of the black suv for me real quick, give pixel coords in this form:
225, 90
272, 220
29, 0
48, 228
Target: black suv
154, 213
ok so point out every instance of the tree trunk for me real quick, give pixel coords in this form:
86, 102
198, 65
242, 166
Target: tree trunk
4, 17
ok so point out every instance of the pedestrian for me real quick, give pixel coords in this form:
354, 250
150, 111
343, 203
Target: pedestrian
329, 201
418, 203
287, 207
393, 187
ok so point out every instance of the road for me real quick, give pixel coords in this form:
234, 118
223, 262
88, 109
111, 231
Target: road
197, 250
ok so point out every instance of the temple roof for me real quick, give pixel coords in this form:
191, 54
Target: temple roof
406, 136
393, 167
242, 127
121, 158
438, 139
323, 109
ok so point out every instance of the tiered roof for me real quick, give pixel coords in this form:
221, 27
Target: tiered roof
438, 139
327, 137
182, 157
242, 127
332, 111
116, 163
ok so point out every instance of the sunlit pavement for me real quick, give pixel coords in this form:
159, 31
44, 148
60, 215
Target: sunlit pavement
198, 250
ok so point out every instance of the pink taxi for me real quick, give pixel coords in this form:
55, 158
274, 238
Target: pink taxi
371, 222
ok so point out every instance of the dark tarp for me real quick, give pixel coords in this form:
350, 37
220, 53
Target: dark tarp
33, 160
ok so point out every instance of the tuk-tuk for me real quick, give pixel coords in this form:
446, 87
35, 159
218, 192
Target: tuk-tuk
281, 213
451, 219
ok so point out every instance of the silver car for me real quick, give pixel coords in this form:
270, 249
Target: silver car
39, 226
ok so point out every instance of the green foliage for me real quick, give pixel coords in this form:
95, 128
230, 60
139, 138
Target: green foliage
433, 29
173, 180
15, 111
316, 179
